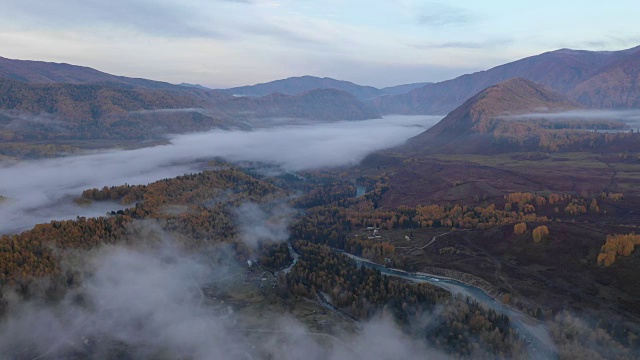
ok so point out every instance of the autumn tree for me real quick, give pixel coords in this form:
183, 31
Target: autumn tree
618, 244
540, 233
519, 228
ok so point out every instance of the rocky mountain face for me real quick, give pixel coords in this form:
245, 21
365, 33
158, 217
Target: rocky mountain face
582, 75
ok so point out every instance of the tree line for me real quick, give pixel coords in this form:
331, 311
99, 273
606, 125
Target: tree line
460, 326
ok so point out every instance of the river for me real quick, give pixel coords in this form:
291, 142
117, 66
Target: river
539, 343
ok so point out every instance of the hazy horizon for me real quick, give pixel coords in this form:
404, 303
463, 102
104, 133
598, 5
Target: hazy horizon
228, 43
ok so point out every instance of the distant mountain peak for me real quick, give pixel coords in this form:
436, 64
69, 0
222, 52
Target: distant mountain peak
299, 84
196, 86
42, 72
515, 96
567, 71
565, 51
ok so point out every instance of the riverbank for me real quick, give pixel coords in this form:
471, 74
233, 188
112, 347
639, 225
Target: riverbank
465, 278
539, 343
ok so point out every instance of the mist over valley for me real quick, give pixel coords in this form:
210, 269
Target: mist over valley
37, 191
319, 180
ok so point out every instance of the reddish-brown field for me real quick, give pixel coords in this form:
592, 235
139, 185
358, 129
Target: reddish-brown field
561, 272
464, 178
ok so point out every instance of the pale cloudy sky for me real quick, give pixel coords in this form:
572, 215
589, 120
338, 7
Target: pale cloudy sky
222, 43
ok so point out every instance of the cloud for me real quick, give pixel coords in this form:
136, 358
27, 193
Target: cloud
630, 117
438, 15
163, 18
175, 41
162, 302
15, 120
263, 223
465, 44
173, 111
606, 42
280, 33
219, 20
43, 190
144, 300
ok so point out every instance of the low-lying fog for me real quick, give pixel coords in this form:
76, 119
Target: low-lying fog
43, 190
143, 303
629, 117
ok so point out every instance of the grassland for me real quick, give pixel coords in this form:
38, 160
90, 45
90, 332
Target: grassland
558, 273
464, 178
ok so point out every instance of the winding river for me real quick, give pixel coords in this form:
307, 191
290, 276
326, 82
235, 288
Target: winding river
539, 343
533, 331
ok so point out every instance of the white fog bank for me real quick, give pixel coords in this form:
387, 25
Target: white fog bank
42, 190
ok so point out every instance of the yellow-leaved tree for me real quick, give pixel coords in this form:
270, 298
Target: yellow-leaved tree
618, 244
540, 233
519, 228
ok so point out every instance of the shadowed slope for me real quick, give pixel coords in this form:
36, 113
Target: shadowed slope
560, 70
468, 128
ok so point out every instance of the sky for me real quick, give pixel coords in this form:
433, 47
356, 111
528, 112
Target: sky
225, 43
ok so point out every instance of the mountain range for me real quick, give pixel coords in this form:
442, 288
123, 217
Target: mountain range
596, 79
40, 100
297, 85
324, 104
41, 72
87, 102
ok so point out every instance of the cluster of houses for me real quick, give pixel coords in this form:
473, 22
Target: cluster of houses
374, 233
263, 278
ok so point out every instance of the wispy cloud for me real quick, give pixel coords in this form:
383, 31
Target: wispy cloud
263, 223
472, 45
166, 18
606, 42
280, 33
630, 117
172, 111
438, 15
